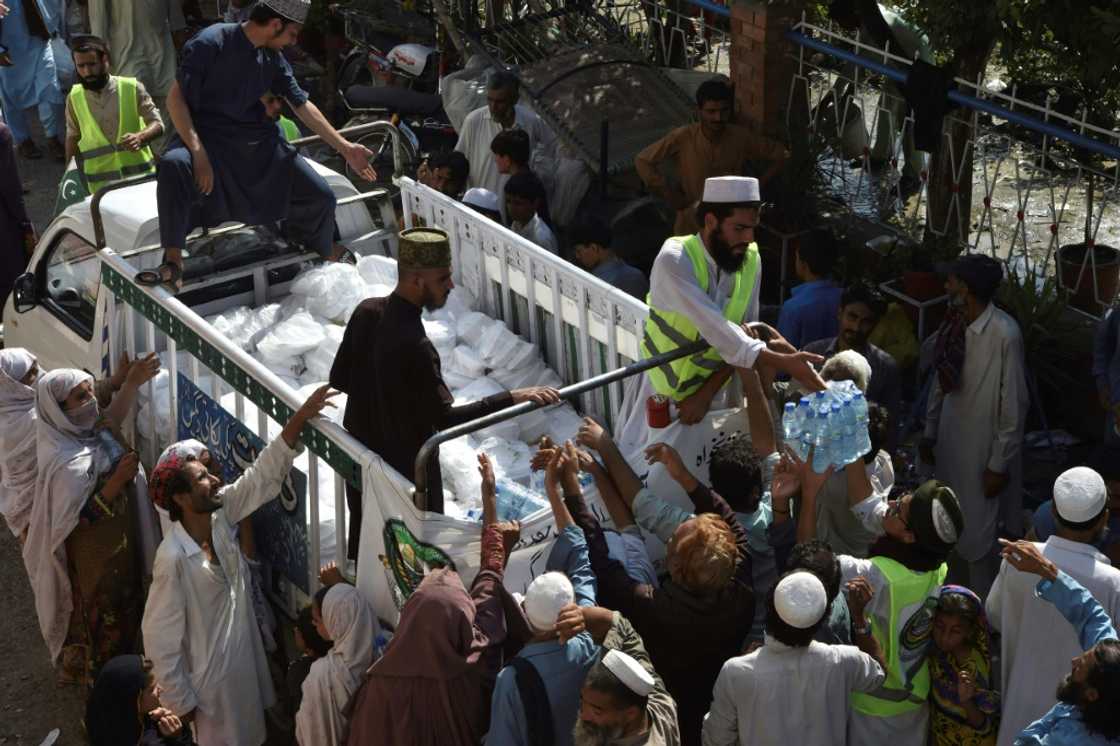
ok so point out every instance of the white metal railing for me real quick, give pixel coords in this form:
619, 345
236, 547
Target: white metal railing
582, 325
221, 369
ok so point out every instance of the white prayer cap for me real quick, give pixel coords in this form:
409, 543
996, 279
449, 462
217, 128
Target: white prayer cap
800, 599
481, 198
546, 595
1079, 494
631, 673
733, 189
293, 10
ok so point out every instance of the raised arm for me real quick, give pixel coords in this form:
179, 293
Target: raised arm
264, 478
1070, 598
758, 414
139, 372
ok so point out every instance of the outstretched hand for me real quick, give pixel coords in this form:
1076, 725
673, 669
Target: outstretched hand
357, 158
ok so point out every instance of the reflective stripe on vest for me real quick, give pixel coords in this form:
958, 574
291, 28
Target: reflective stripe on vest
914, 593
666, 330
100, 161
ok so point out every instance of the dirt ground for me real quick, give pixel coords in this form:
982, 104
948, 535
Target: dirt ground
31, 703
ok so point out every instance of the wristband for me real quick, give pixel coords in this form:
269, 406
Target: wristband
861, 629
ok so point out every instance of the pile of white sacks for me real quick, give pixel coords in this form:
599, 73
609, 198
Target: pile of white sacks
298, 338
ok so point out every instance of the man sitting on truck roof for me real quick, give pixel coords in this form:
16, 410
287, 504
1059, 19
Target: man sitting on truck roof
227, 161
108, 106
199, 629
391, 372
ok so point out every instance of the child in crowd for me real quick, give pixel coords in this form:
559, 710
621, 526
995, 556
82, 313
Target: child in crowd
966, 705
312, 647
124, 708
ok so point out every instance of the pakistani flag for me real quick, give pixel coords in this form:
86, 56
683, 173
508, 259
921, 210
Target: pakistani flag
71, 190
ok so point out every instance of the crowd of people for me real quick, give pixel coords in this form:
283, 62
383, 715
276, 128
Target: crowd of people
792, 605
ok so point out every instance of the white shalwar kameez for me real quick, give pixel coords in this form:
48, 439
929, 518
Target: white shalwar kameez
199, 629
673, 286
980, 426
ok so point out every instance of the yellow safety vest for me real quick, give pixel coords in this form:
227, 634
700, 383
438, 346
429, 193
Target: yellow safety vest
101, 161
916, 592
668, 330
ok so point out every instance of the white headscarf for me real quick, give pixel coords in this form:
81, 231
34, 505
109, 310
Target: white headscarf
334, 678
69, 466
17, 439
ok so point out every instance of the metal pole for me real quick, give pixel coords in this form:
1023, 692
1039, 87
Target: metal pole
435, 504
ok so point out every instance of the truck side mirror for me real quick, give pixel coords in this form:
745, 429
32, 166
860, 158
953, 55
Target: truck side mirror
23, 293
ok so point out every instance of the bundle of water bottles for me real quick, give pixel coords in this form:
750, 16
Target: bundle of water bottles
833, 423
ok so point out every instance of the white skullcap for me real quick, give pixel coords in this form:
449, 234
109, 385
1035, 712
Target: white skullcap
1079, 494
943, 523
546, 595
733, 189
800, 599
481, 198
632, 674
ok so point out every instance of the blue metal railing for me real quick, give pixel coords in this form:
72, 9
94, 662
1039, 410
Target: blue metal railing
971, 102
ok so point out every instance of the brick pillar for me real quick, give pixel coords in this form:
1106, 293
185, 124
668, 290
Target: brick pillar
761, 66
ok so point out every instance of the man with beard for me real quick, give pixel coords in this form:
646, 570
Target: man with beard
105, 106
623, 701
1088, 709
706, 286
391, 371
199, 629
861, 307
1035, 644
975, 417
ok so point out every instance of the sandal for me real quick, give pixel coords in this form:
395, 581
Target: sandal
168, 273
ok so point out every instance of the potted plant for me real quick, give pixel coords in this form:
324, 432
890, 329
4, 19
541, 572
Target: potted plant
1089, 270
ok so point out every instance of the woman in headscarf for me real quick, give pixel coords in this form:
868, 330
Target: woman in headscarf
965, 702
349, 623
18, 370
124, 708
80, 552
432, 686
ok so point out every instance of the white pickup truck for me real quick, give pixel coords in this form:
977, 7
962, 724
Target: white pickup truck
79, 306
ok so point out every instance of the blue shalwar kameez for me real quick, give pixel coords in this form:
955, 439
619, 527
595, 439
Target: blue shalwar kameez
258, 177
32, 79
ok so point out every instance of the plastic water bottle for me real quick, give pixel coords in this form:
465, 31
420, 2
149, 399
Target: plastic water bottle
838, 446
515, 501
808, 434
821, 441
848, 424
789, 422
859, 404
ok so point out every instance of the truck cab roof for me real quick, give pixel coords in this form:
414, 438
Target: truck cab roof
131, 217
